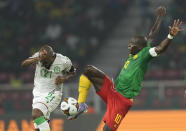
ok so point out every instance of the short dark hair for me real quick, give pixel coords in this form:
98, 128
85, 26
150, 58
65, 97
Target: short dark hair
140, 41
48, 49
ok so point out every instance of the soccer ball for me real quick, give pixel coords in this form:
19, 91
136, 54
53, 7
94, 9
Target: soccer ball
69, 106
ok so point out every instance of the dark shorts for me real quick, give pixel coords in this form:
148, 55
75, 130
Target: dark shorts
117, 104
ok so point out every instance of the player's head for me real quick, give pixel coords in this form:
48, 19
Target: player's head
136, 44
49, 56
49, 50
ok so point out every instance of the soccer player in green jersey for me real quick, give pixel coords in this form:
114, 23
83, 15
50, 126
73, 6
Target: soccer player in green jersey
119, 94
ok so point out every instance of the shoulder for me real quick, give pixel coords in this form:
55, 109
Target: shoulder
62, 60
149, 51
61, 57
145, 49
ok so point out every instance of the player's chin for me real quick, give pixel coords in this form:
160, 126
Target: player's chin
133, 52
44, 63
130, 51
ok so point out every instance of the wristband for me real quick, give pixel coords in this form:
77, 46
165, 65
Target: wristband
170, 36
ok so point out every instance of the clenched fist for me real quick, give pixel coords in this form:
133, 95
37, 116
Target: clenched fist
161, 11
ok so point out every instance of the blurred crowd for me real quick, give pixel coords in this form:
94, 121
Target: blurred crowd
74, 28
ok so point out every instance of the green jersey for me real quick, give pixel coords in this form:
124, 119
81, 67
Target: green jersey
128, 83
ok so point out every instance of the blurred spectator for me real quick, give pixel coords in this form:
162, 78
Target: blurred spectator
53, 31
72, 41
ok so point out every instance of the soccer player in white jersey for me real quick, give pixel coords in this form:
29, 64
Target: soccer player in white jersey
52, 70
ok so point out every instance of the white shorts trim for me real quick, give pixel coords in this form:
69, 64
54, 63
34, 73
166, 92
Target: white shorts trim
35, 126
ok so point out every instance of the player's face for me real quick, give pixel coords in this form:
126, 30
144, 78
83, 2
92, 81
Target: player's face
132, 47
46, 61
135, 45
47, 58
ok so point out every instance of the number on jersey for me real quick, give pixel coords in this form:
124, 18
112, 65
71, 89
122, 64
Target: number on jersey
118, 118
126, 64
45, 73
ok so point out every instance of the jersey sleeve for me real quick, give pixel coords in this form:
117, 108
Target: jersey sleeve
148, 53
35, 55
67, 64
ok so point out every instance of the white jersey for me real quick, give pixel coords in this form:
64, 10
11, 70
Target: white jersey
44, 80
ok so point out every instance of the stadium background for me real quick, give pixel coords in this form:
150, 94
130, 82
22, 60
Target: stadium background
91, 32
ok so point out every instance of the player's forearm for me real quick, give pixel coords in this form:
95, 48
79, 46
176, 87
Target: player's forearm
173, 31
161, 12
29, 61
69, 76
155, 27
163, 46
64, 78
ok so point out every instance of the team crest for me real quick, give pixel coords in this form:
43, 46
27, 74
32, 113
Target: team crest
57, 69
135, 56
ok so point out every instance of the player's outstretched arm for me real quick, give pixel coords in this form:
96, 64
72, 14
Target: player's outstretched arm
31, 60
161, 12
173, 31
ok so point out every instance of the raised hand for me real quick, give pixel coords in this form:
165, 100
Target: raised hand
161, 11
176, 27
